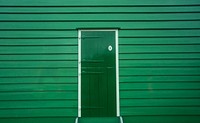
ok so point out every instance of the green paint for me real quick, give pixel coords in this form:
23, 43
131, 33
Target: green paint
98, 74
96, 3
159, 58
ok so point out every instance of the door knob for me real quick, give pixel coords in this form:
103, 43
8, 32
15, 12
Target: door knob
110, 48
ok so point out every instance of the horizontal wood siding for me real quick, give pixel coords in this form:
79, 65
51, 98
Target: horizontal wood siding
159, 58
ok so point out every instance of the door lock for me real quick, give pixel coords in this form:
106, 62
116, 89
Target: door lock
110, 48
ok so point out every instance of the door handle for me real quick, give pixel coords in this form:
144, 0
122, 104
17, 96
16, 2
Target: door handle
110, 48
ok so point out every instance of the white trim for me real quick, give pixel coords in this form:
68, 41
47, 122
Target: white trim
76, 120
117, 69
79, 73
121, 119
117, 73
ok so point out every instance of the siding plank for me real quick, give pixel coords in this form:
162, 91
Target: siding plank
159, 102
69, 119
104, 16
38, 104
97, 9
160, 63
164, 78
163, 119
157, 33
37, 112
37, 49
39, 79
160, 94
161, 111
101, 24
157, 56
38, 72
38, 64
160, 71
160, 41
54, 95
37, 87
39, 57
160, 86
40, 42
95, 3
159, 49
37, 34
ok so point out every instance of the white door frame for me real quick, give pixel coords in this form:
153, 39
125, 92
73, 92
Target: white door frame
117, 69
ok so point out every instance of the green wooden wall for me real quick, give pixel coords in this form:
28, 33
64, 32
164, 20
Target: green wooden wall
159, 57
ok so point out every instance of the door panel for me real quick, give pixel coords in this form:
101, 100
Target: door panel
98, 74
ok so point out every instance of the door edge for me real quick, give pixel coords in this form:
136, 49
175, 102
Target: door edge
117, 68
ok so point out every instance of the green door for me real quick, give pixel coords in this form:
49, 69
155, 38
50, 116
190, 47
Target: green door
98, 74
